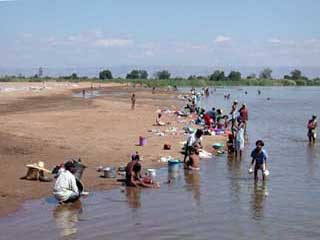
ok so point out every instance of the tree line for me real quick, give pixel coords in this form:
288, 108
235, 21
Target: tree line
295, 77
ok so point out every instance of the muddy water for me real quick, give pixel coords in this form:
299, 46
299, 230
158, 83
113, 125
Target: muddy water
220, 202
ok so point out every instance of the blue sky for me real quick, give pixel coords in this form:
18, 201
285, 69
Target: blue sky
83, 33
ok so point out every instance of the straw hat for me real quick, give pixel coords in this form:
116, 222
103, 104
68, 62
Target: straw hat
39, 166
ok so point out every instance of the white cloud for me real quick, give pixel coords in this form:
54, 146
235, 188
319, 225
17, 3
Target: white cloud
113, 42
278, 41
222, 39
25, 35
274, 40
149, 53
312, 41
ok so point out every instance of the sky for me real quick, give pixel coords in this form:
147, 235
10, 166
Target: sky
89, 33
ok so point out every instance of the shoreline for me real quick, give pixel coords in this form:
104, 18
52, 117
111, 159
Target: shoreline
52, 126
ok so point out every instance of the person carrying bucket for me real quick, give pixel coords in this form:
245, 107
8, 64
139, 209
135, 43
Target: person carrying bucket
312, 125
259, 160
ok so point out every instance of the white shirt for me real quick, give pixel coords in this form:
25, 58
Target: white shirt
65, 186
240, 135
192, 139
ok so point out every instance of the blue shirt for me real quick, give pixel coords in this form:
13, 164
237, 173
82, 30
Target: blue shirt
260, 157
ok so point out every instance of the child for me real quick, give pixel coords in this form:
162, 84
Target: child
194, 160
259, 158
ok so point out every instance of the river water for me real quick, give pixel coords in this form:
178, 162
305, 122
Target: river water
220, 202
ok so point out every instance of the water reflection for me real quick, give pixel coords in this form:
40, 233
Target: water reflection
192, 179
133, 197
66, 218
88, 94
258, 197
311, 159
174, 173
234, 169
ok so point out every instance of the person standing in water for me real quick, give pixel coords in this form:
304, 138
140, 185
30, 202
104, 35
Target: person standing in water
133, 101
240, 140
233, 114
312, 125
244, 116
259, 160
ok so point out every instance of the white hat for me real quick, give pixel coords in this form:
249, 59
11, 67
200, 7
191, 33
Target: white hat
39, 166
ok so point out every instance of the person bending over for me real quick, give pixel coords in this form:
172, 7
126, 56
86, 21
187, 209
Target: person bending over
194, 140
65, 189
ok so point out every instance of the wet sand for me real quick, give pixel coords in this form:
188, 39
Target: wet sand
52, 125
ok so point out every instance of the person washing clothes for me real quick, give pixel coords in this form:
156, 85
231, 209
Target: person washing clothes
65, 189
193, 141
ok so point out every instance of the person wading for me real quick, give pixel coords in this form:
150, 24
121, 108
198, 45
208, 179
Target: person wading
312, 125
133, 101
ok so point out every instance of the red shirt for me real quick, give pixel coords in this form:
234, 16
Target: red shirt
244, 114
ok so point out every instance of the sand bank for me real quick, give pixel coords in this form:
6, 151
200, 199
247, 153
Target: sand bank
51, 125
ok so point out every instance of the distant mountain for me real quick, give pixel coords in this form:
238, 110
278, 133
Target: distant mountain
176, 71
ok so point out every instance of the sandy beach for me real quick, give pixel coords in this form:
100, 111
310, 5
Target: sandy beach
51, 125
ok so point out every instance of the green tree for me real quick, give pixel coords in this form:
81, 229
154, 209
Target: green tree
74, 76
137, 74
234, 76
144, 74
191, 77
217, 76
105, 74
265, 73
164, 74
252, 76
296, 74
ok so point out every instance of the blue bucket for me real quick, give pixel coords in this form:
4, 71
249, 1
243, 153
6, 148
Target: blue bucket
174, 165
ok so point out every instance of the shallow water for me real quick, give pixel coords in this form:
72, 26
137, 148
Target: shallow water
220, 202
89, 94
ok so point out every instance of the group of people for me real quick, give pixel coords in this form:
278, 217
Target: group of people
234, 125
66, 188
